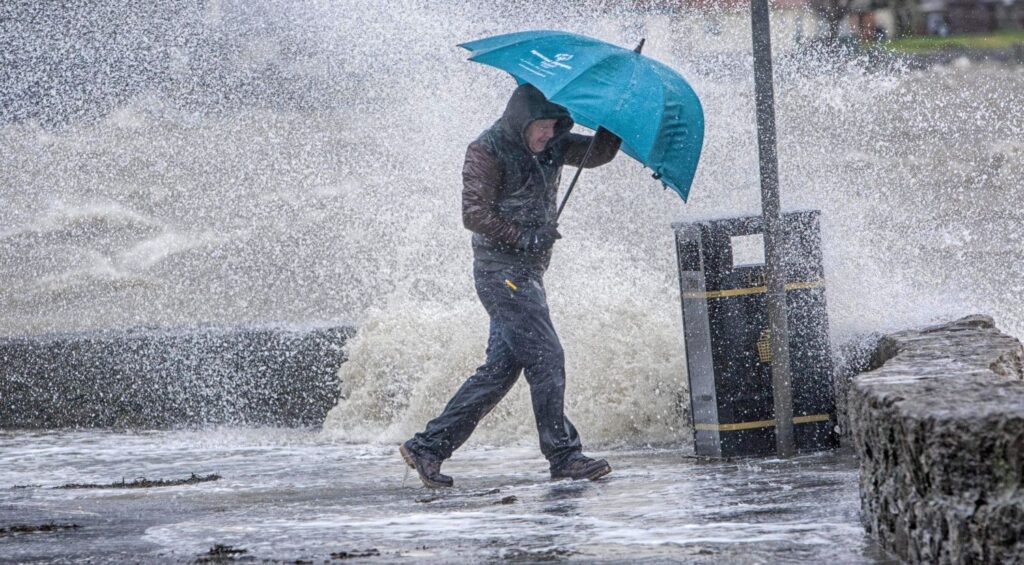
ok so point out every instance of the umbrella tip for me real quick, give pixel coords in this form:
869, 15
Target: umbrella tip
640, 47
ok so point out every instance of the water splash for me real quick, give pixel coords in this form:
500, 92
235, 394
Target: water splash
235, 163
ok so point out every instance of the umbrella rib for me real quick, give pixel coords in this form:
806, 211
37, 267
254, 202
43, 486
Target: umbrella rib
661, 125
624, 95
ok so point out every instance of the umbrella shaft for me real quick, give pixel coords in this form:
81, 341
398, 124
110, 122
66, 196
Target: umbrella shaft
575, 177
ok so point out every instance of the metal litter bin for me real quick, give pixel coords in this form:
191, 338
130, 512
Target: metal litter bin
726, 327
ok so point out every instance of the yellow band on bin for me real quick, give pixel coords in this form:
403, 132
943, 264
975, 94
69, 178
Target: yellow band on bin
750, 290
760, 423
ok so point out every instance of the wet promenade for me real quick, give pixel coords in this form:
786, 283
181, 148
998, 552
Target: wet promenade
288, 496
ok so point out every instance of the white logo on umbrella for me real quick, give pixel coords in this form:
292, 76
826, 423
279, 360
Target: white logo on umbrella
552, 62
547, 65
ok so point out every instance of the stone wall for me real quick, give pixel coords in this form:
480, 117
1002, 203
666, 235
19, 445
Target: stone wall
152, 378
939, 431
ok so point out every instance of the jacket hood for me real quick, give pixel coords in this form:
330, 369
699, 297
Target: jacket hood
528, 104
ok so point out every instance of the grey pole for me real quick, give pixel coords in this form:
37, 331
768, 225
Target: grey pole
770, 209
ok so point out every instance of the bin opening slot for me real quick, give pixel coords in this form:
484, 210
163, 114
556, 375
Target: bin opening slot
747, 250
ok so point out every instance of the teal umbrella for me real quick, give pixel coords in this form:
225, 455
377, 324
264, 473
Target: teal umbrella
650, 106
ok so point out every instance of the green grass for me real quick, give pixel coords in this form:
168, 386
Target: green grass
1001, 40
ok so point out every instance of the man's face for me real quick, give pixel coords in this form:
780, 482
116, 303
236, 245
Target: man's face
539, 133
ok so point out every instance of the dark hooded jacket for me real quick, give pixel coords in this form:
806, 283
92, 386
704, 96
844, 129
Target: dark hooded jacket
508, 189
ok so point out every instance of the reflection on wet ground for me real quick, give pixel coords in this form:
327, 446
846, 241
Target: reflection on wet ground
289, 495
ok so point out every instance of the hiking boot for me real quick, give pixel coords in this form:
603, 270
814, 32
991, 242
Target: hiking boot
582, 468
427, 466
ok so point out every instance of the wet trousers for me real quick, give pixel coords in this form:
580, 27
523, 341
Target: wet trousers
522, 339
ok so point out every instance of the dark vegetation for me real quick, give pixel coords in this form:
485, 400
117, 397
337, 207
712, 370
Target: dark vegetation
32, 529
355, 554
220, 553
146, 483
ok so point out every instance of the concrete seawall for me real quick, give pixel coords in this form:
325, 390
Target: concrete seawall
149, 378
939, 431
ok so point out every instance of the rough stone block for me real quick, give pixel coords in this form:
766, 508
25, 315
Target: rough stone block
939, 431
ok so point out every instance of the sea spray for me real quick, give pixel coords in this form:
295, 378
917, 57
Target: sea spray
625, 372
281, 163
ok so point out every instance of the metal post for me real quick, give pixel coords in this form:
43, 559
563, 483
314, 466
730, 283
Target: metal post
770, 209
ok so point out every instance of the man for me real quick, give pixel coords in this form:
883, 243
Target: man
509, 202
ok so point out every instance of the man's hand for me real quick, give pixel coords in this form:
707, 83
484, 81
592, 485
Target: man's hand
540, 239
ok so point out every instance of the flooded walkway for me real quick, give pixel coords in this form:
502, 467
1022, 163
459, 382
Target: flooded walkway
287, 495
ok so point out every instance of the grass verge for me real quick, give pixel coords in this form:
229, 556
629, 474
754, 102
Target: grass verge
1001, 40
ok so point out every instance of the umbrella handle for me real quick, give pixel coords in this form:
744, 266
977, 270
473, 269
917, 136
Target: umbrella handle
575, 177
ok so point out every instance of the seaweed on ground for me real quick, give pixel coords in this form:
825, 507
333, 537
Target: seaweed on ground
373, 552
146, 483
221, 553
31, 529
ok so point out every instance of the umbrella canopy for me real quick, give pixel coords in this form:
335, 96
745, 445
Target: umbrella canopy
651, 107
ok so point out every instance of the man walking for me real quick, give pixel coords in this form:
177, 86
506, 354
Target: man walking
509, 202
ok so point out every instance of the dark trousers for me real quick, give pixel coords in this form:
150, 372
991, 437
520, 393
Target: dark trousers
522, 339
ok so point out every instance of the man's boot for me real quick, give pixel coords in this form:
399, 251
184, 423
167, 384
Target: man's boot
427, 466
582, 467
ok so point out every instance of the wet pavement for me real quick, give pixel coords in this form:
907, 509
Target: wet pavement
293, 495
